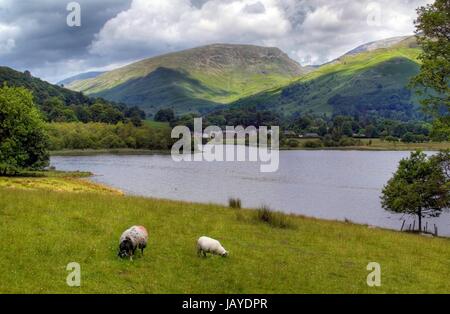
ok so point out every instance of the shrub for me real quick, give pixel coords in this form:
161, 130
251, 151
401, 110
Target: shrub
274, 219
312, 144
292, 143
235, 203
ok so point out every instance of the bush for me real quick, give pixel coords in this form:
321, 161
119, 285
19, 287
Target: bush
23, 140
313, 144
235, 203
274, 219
107, 136
292, 143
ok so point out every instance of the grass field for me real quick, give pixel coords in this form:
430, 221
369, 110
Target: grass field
56, 181
377, 145
42, 231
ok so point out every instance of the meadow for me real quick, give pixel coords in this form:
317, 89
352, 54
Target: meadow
374, 144
43, 230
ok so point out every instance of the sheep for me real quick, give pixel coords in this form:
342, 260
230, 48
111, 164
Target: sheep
133, 238
208, 245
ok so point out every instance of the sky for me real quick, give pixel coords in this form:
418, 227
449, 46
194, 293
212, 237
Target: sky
35, 35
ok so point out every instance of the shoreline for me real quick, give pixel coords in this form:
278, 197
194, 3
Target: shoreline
130, 151
87, 185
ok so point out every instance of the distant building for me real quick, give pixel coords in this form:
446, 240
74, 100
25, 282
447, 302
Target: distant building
290, 134
310, 135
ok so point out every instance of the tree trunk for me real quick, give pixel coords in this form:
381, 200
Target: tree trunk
419, 213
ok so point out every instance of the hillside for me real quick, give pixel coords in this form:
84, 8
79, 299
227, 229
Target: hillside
311, 256
79, 77
64, 105
41, 90
198, 79
362, 81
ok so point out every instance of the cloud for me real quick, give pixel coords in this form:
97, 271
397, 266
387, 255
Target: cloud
311, 31
34, 34
159, 25
7, 35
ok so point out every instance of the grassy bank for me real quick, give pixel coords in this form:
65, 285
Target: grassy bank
114, 151
375, 145
58, 181
42, 231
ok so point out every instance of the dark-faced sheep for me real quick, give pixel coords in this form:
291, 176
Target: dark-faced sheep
134, 238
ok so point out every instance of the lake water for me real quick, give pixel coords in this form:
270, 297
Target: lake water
333, 185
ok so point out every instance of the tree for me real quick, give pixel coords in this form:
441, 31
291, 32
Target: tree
433, 34
420, 186
165, 115
23, 141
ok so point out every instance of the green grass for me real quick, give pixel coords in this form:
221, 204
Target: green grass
42, 231
375, 144
157, 125
59, 181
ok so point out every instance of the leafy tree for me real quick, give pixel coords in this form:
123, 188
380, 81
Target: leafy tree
23, 141
433, 33
408, 137
419, 187
165, 115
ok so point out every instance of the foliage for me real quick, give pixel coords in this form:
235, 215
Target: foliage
235, 203
419, 187
165, 115
23, 141
433, 35
272, 218
64, 136
62, 105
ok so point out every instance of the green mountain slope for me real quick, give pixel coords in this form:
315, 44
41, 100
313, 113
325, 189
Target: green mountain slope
198, 79
79, 77
63, 105
41, 90
357, 83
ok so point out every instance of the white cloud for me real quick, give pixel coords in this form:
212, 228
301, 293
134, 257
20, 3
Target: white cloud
159, 25
311, 31
7, 38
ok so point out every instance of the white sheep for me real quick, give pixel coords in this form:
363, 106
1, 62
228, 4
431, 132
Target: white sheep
208, 245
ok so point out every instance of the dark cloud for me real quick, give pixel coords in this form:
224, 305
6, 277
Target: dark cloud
45, 44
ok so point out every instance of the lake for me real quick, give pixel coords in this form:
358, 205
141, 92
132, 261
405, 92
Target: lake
335, 185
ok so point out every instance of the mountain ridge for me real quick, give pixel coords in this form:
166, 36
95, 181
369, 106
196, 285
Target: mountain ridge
216, 74
371, 81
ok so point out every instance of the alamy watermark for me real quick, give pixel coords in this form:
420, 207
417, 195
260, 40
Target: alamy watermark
229, 145
374, 277
74, 17
73, 279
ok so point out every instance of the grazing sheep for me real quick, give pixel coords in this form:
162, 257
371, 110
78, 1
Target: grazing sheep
134, 238
208, 245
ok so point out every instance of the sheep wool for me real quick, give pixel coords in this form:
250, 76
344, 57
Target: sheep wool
209, 245
138, 236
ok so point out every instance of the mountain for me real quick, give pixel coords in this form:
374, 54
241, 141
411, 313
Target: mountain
41, 90
367, 80
375, 45
63, 105
194, 80
79, 77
